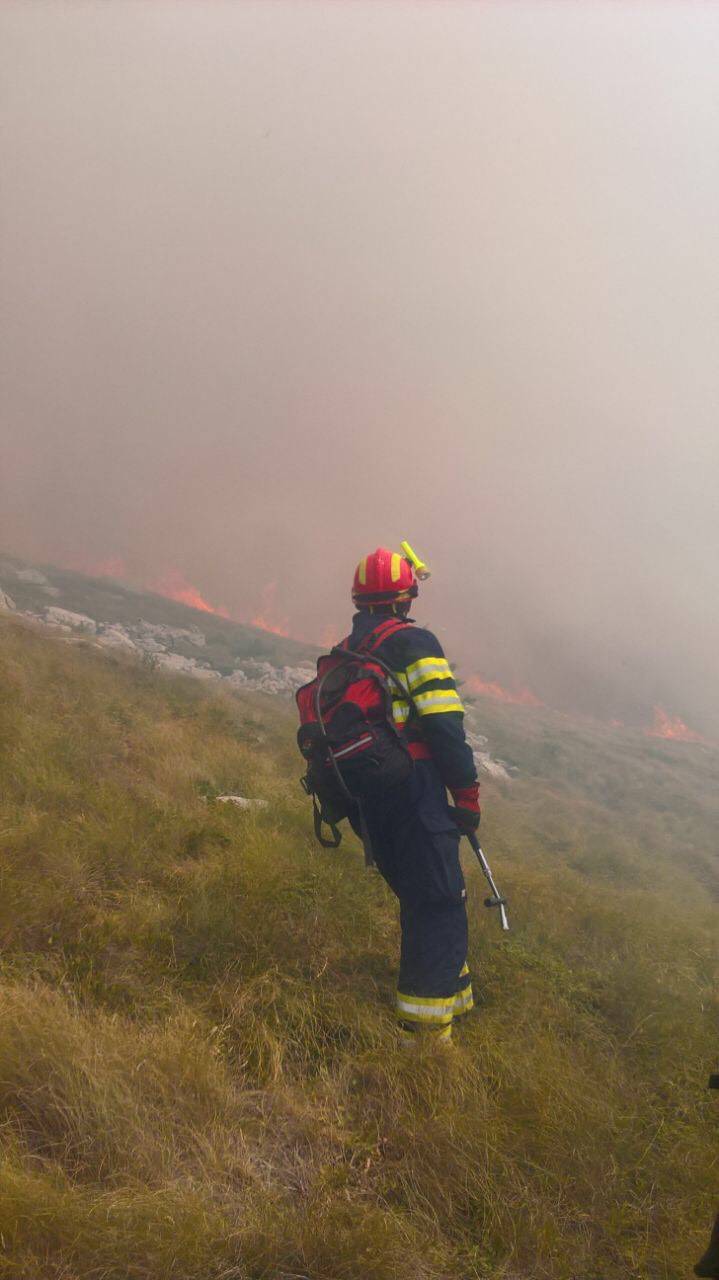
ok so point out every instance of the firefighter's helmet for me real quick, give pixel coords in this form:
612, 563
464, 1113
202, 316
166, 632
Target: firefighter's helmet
384, 577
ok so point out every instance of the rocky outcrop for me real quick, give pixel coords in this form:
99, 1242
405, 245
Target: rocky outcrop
242, 802
181, 665
159, 643
31, 575
164, 635
116, 638
262, 677
66, 618
484, 760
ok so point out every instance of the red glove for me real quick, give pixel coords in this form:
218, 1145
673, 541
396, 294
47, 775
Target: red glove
467, 811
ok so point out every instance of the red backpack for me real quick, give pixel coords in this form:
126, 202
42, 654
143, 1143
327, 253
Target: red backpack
347, 732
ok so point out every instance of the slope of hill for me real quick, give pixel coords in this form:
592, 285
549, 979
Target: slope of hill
35, 589
199, 1077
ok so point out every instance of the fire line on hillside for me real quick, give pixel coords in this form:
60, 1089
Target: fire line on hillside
672, 728
521, 696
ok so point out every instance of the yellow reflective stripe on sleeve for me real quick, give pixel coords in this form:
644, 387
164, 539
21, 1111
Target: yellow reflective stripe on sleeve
436, 700
428, 669
400, 712
395, 567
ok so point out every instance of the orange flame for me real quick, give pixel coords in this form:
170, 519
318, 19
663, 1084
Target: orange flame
264, 618
491, 689
672, 727
175, 586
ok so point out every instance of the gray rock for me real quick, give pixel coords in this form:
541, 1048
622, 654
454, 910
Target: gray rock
32, 575
262, 677
7, 604
65, 617
185, 666
494, 768
116, 638
148, 644
242, 802
159, 631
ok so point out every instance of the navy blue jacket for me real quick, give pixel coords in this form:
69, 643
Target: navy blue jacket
417, 659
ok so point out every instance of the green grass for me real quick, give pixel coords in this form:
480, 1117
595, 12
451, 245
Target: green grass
199, 1075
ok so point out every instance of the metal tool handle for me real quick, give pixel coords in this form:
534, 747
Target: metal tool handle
496, 899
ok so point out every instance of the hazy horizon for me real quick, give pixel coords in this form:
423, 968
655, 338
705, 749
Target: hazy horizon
285, 281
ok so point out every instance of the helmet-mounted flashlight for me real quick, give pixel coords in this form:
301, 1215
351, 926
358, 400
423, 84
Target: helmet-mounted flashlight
412, 558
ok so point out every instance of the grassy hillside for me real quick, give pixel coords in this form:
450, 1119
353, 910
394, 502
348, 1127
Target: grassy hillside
199, 1077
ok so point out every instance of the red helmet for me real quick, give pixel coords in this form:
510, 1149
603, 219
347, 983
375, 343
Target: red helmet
384, 577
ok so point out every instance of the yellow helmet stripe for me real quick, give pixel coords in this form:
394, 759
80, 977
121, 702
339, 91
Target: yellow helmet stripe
362, 571
395, 567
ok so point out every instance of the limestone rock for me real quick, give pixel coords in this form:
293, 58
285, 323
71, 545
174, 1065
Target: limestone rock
117, 638
495, 768
241, 802
483, 758
65, 617
148, 644
159, 631
185, 666
261, 676
32, 575
7, 604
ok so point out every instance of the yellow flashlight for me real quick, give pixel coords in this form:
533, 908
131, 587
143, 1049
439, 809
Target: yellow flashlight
418, 565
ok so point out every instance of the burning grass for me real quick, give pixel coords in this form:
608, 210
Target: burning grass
519, 696
199, 1076
672, 728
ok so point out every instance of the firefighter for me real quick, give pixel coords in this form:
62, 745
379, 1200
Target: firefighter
414, 835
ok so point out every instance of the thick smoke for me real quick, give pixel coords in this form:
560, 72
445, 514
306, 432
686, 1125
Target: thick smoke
283, 281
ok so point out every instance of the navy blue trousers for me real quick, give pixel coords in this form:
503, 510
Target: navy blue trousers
415, 845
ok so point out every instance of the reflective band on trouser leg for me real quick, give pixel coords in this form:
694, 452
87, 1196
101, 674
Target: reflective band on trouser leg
431, 1012
464, 1000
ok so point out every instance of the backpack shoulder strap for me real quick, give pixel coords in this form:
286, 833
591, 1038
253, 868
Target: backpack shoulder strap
383, 632
373, 639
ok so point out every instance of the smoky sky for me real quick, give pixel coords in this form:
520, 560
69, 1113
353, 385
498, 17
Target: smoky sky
284, 281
